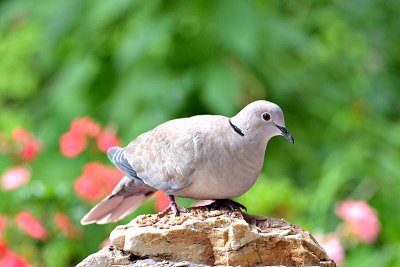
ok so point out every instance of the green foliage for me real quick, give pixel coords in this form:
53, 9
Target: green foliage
333, 67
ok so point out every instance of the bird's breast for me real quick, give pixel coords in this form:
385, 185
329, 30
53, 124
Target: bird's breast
228, 171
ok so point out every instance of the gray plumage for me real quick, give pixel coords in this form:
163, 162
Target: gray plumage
201, 157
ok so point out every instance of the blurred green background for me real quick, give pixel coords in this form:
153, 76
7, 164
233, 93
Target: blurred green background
332, 66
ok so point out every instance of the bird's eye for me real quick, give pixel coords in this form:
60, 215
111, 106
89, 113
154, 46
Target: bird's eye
266, 116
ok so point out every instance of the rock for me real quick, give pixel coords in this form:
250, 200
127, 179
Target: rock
108, 256
111, 256
216, 237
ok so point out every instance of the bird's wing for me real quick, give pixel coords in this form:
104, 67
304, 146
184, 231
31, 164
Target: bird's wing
117, 156
165, 157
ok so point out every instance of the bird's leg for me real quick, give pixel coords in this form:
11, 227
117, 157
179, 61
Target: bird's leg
172, 206
228, 203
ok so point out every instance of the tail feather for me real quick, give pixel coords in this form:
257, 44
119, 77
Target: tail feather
126, 206
112, 209
125, 198
102, 209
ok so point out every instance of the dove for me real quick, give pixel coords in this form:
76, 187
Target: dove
204, 157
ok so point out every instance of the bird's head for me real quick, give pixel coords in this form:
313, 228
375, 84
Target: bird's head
262, 118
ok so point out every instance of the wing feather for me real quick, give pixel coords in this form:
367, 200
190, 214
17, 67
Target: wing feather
166, 157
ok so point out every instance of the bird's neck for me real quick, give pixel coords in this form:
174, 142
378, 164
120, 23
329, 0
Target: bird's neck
241, 123
255, 143
251, 136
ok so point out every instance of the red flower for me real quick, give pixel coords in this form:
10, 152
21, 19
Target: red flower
74, 141
97, 181
31, 225
72, 144
107, 139
85, 126
3, 224
15, 177
3, 248
64, 224
361, 220
30, 150
29, 146
161, 202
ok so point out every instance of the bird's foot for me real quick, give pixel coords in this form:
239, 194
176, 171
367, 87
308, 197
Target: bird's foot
227, 203
171, 207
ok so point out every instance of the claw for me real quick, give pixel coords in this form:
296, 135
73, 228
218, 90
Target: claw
172, 206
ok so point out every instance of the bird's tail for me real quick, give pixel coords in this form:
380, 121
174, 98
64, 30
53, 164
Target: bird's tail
124, 200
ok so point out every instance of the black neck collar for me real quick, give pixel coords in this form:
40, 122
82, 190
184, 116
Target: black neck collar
236, 129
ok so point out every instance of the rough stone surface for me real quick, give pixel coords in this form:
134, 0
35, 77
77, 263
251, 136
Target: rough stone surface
216, 237
110, 256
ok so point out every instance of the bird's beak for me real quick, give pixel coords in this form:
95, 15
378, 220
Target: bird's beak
286, 134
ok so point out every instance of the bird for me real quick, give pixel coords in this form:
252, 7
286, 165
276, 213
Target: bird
204, 157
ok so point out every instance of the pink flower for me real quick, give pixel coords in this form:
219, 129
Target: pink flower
20, 135
203, 202
107, 139
15, 177
85, 187
85, 126
63, 223
31, 225
72, 144
3, 224
105, 243
10, 259
97, 181
29, 146
333, 247
361, 220
161, 202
